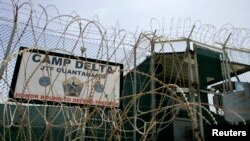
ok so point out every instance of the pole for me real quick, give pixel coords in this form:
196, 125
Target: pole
191, 89
226, 61
134, 92
199, 96
152, 88
86, 111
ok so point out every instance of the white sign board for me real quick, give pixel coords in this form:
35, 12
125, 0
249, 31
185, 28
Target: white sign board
57, 77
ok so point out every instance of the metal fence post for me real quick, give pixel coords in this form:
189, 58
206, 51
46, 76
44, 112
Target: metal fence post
201, 127
152, 88
191, 88
134, 92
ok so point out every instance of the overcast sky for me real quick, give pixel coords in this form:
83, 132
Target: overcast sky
138, 13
